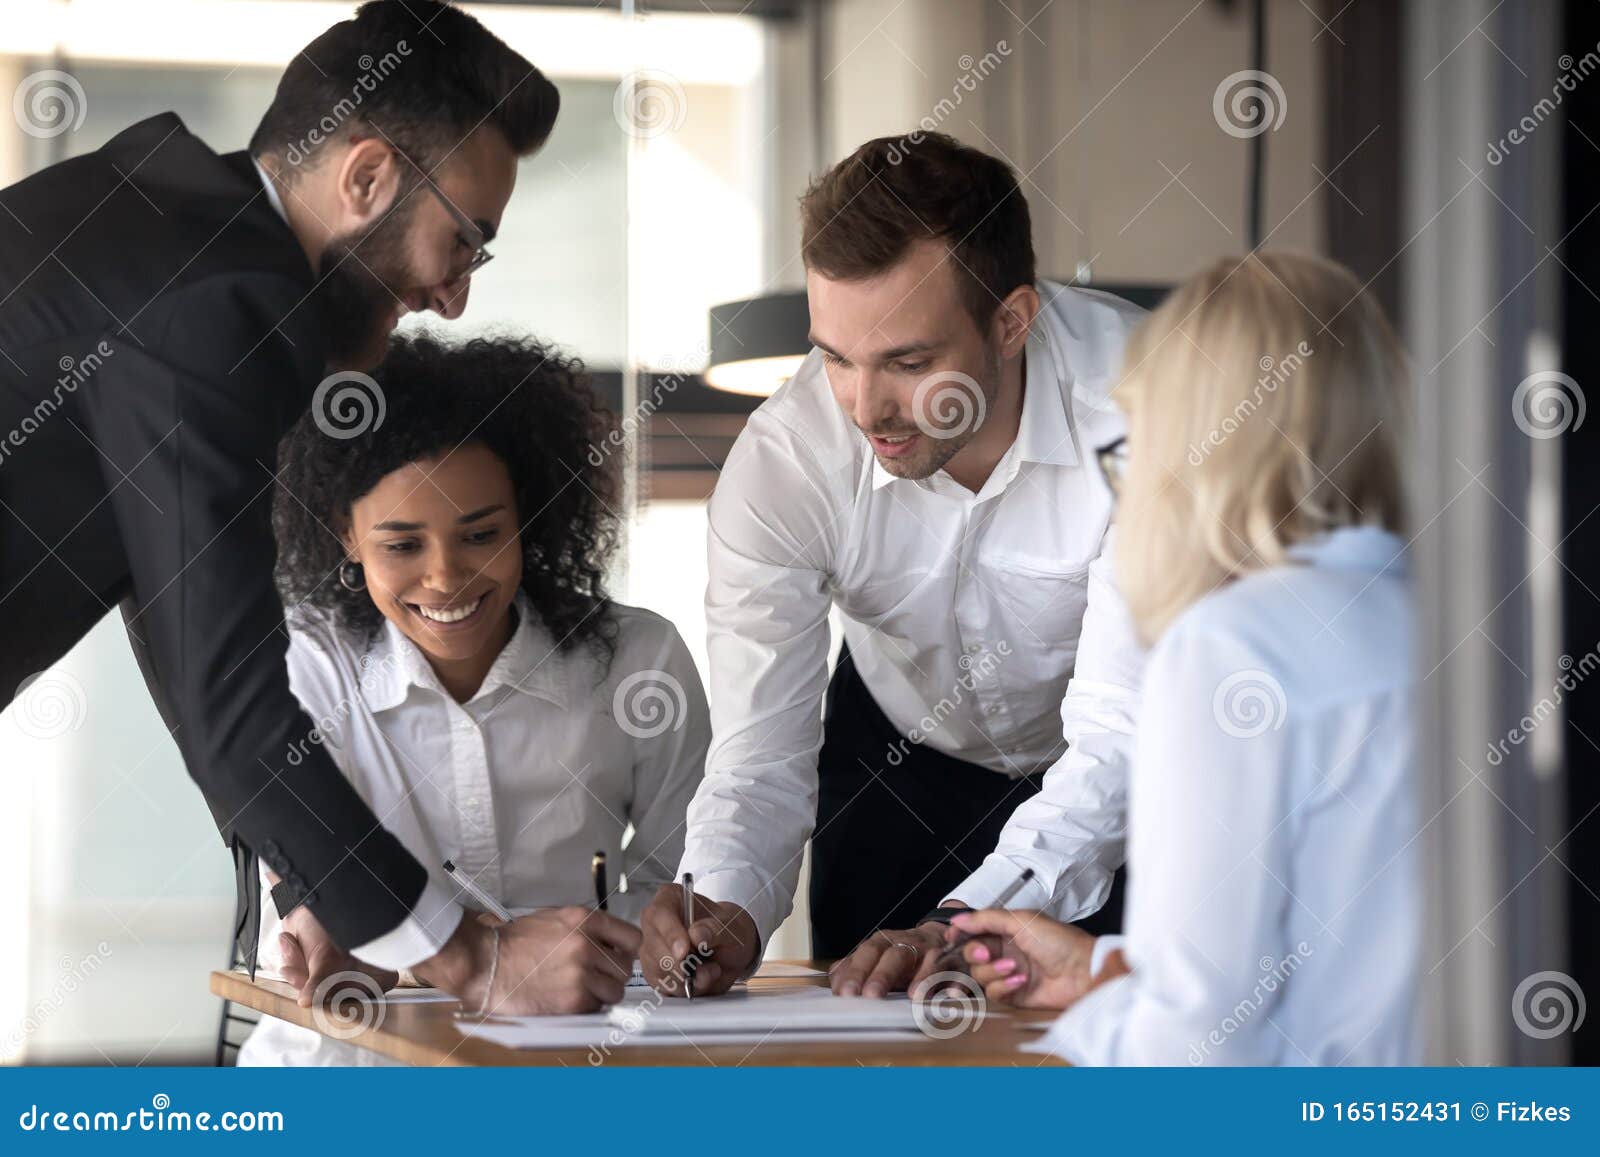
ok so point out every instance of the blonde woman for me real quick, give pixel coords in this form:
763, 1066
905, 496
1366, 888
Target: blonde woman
1274, 900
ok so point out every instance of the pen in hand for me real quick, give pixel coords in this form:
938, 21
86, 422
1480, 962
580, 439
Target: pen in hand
1000, 901
597, 870
470, 886
688, 921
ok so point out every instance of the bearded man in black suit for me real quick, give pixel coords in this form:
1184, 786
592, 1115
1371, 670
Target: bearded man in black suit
166, 313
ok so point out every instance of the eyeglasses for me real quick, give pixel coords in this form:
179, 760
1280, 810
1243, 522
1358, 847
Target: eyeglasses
1113, 459
467, 230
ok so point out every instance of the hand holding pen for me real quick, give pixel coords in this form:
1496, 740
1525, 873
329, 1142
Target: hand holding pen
567, 959
952, 950
695, 946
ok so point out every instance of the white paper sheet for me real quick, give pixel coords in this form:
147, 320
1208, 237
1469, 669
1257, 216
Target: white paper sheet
417, 996
741, 1017
529, 1033
784, 1010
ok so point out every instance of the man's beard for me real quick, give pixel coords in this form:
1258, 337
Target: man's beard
939, 450
359, 279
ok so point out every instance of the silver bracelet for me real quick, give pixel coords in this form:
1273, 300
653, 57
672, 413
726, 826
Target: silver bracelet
494, 966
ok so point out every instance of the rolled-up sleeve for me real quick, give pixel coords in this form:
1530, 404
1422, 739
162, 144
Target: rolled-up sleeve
1073, 833
772, 534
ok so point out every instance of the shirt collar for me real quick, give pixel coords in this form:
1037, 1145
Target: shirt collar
272, 190
1044, 433
530, 663
1369, 549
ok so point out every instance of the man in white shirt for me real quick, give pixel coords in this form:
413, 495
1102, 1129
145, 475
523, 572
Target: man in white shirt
930, 474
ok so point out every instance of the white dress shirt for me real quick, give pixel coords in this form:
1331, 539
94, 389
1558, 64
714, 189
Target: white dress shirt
984, 624
552, 759
1275, 890
272, 190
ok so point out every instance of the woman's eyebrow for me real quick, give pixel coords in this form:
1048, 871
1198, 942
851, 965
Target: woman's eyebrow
392, 524
484, 513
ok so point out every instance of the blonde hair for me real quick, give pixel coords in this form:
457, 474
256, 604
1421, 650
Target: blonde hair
1266, 405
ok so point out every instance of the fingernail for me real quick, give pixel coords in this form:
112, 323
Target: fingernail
980, 953
851, 988
1016, 981
961, 920
873, 989
1005, 966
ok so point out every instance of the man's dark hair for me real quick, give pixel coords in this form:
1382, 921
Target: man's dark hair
859, 218
531, 407
422, 74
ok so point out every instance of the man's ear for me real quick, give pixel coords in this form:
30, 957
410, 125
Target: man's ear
369, 180
1012, 319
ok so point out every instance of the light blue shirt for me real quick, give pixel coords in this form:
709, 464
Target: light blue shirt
1275, 901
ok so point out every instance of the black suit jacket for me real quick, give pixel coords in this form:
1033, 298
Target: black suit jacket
156, 341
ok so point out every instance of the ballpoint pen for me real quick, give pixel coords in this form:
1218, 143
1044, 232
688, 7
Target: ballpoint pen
602, 889
1000, 901
470, 886
597, 869
688, 919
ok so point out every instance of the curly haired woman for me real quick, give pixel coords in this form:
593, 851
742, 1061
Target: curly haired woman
451, 636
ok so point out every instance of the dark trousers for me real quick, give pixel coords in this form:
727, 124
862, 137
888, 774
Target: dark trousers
899, 824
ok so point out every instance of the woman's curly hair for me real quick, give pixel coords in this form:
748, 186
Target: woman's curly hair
528, 404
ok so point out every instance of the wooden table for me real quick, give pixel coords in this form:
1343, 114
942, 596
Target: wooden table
426, 1034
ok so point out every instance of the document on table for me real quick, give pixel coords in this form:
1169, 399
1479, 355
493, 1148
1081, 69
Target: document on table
784, 1010
418, 996
789, 1016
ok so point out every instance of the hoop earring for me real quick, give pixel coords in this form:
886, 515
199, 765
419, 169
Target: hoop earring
352, 577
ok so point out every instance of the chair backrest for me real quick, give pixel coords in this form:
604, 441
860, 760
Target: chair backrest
237, 1020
